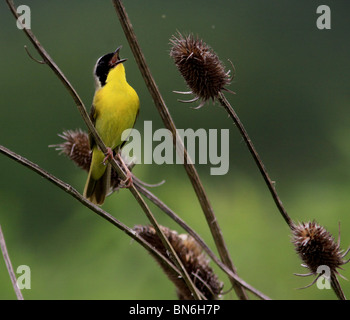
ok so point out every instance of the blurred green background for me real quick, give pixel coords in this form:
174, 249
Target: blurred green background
293, 96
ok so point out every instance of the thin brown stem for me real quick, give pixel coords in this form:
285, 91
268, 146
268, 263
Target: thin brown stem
48, 60
222, 99
9, 266
170, 125
171, 252
337, 287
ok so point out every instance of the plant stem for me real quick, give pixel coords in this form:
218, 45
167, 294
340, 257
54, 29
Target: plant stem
334, 280
337, 287
9, 266
222, 99
170, 125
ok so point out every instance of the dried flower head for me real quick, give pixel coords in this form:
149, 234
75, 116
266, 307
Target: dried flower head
317, 247
76, 146
193, 258
200, 66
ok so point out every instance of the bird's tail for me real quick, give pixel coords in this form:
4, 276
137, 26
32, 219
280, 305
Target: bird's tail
96, 190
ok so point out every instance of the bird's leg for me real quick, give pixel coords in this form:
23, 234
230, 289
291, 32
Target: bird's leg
109, 155
127, 183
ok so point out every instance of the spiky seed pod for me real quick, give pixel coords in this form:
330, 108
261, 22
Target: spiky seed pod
193, 258
77, 148
317, 247
200, 66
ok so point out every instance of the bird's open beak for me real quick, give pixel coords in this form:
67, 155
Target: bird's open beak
115, 59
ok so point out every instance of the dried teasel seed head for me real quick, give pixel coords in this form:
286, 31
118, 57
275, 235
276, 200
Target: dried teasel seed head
76, 146
193, 258
317, 247
200, 66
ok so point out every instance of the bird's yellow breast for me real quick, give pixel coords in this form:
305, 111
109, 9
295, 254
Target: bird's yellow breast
116, 107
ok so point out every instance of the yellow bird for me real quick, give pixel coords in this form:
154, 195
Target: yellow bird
114, 109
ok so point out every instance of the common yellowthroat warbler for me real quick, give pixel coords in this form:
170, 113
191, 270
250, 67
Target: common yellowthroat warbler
114, 109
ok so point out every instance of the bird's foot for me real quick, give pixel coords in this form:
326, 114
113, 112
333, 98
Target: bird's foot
128, 182
109, 155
